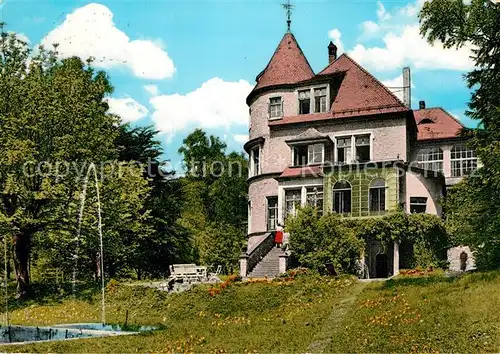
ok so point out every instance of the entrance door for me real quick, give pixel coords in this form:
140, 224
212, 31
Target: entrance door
382, 267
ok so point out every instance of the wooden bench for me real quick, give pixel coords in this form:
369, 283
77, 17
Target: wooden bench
189, 272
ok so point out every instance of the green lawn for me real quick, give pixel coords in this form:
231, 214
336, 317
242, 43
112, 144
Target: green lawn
425, 314
310, 313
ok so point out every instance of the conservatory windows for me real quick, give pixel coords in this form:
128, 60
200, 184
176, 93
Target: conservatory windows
430, 159
463, 161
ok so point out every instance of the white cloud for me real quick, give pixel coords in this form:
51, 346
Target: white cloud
396, 82
409, 48
370, 28
382, 13
127, 108
395, 85
240, 138
151, 89
335, 35
403, 45
217, 103
90, 32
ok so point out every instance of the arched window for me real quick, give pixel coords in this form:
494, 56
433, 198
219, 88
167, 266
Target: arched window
463, 161
431, 159
377, 195
342, 197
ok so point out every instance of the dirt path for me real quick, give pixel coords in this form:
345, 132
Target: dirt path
333, 323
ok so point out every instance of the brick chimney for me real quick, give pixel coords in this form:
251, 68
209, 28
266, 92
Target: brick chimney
332, 53
421, 105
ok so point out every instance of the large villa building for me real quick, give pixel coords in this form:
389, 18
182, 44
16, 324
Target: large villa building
343, 142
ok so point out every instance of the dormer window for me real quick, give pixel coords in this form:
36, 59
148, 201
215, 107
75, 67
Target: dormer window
320, 100
313, 154
426, 121
300, 154
275, 107
305, 102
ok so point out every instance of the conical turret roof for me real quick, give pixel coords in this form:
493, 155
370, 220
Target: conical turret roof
288, 65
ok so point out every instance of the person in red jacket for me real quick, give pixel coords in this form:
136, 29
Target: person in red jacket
278, 237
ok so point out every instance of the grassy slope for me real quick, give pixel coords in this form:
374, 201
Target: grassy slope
425, 314
407, 314
264, 317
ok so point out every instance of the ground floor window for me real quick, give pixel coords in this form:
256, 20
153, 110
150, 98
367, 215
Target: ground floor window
315, 198
293, 201
377, 195
272, 213
418, 205
342, 197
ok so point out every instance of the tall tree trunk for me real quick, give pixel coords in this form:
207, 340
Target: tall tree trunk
22, 247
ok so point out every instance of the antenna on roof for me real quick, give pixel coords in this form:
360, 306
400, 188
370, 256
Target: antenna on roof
288, 7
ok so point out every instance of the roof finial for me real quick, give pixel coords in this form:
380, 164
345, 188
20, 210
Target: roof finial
288, 7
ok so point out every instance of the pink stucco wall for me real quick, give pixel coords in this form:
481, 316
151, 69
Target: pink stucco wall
258, 191
418, 185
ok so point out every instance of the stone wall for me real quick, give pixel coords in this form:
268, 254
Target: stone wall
454, 258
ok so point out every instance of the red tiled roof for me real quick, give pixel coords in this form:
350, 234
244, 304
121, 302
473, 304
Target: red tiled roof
290, 172
358, 94
288, 65
436, 123
359, 90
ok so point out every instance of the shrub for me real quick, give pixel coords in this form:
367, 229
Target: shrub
317, 241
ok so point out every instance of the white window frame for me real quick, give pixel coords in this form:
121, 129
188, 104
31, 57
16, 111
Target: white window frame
421, 204
326, 98
353, 145
311, 152
370, 145
270, 116
312, 99
252, 169
276, 222
323, 192
461, 160
288, 189
426, 163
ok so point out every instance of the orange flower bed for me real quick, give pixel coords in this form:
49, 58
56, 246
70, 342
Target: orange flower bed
217, 289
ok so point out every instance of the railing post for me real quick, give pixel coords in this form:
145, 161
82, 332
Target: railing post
283, 262
243, 265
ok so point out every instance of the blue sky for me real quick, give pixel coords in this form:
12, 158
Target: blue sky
179, 65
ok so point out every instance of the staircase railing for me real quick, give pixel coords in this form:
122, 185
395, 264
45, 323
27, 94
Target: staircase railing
248, 261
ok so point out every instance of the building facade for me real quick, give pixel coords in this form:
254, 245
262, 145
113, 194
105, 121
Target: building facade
343, 142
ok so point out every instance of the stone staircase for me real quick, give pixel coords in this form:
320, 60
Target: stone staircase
268, 266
